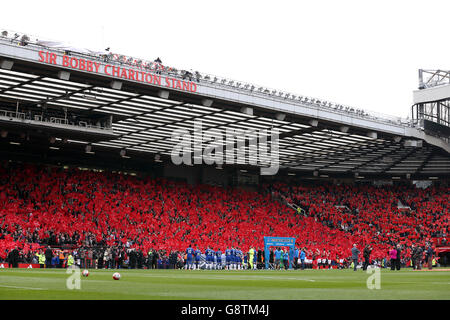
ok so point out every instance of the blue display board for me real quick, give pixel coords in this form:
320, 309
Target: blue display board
279, 242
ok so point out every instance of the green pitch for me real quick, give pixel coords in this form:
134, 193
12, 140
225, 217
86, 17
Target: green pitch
226, 285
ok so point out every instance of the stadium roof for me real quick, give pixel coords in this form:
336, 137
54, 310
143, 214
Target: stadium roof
326, 141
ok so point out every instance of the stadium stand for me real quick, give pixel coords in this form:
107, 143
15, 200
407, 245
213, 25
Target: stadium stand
379, 216
72, 208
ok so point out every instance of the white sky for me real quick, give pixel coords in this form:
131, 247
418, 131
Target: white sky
352, 52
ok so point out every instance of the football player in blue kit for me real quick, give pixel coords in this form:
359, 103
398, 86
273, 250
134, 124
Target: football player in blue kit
209, 258
233, 258
218, 259
238, 259
189, 258
198, 255
227, 259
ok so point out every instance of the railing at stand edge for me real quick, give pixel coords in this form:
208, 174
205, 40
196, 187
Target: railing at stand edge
56, 120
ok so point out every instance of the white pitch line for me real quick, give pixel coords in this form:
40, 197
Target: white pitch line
26, 288
235, 278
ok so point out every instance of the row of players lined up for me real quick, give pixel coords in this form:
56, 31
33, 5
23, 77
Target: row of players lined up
125, 257
235, 259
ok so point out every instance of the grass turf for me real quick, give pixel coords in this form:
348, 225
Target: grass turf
49, 284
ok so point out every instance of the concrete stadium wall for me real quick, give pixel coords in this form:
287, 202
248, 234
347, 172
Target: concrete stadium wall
190, 175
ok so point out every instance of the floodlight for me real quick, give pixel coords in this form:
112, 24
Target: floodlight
6, 64
344, 129
64, 75
117, 85
164, 94
207, 102
158, 158
313, 122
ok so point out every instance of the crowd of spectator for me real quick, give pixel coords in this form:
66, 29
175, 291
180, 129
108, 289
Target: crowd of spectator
401, 216
111, 218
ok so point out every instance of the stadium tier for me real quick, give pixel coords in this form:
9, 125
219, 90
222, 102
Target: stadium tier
71, 208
